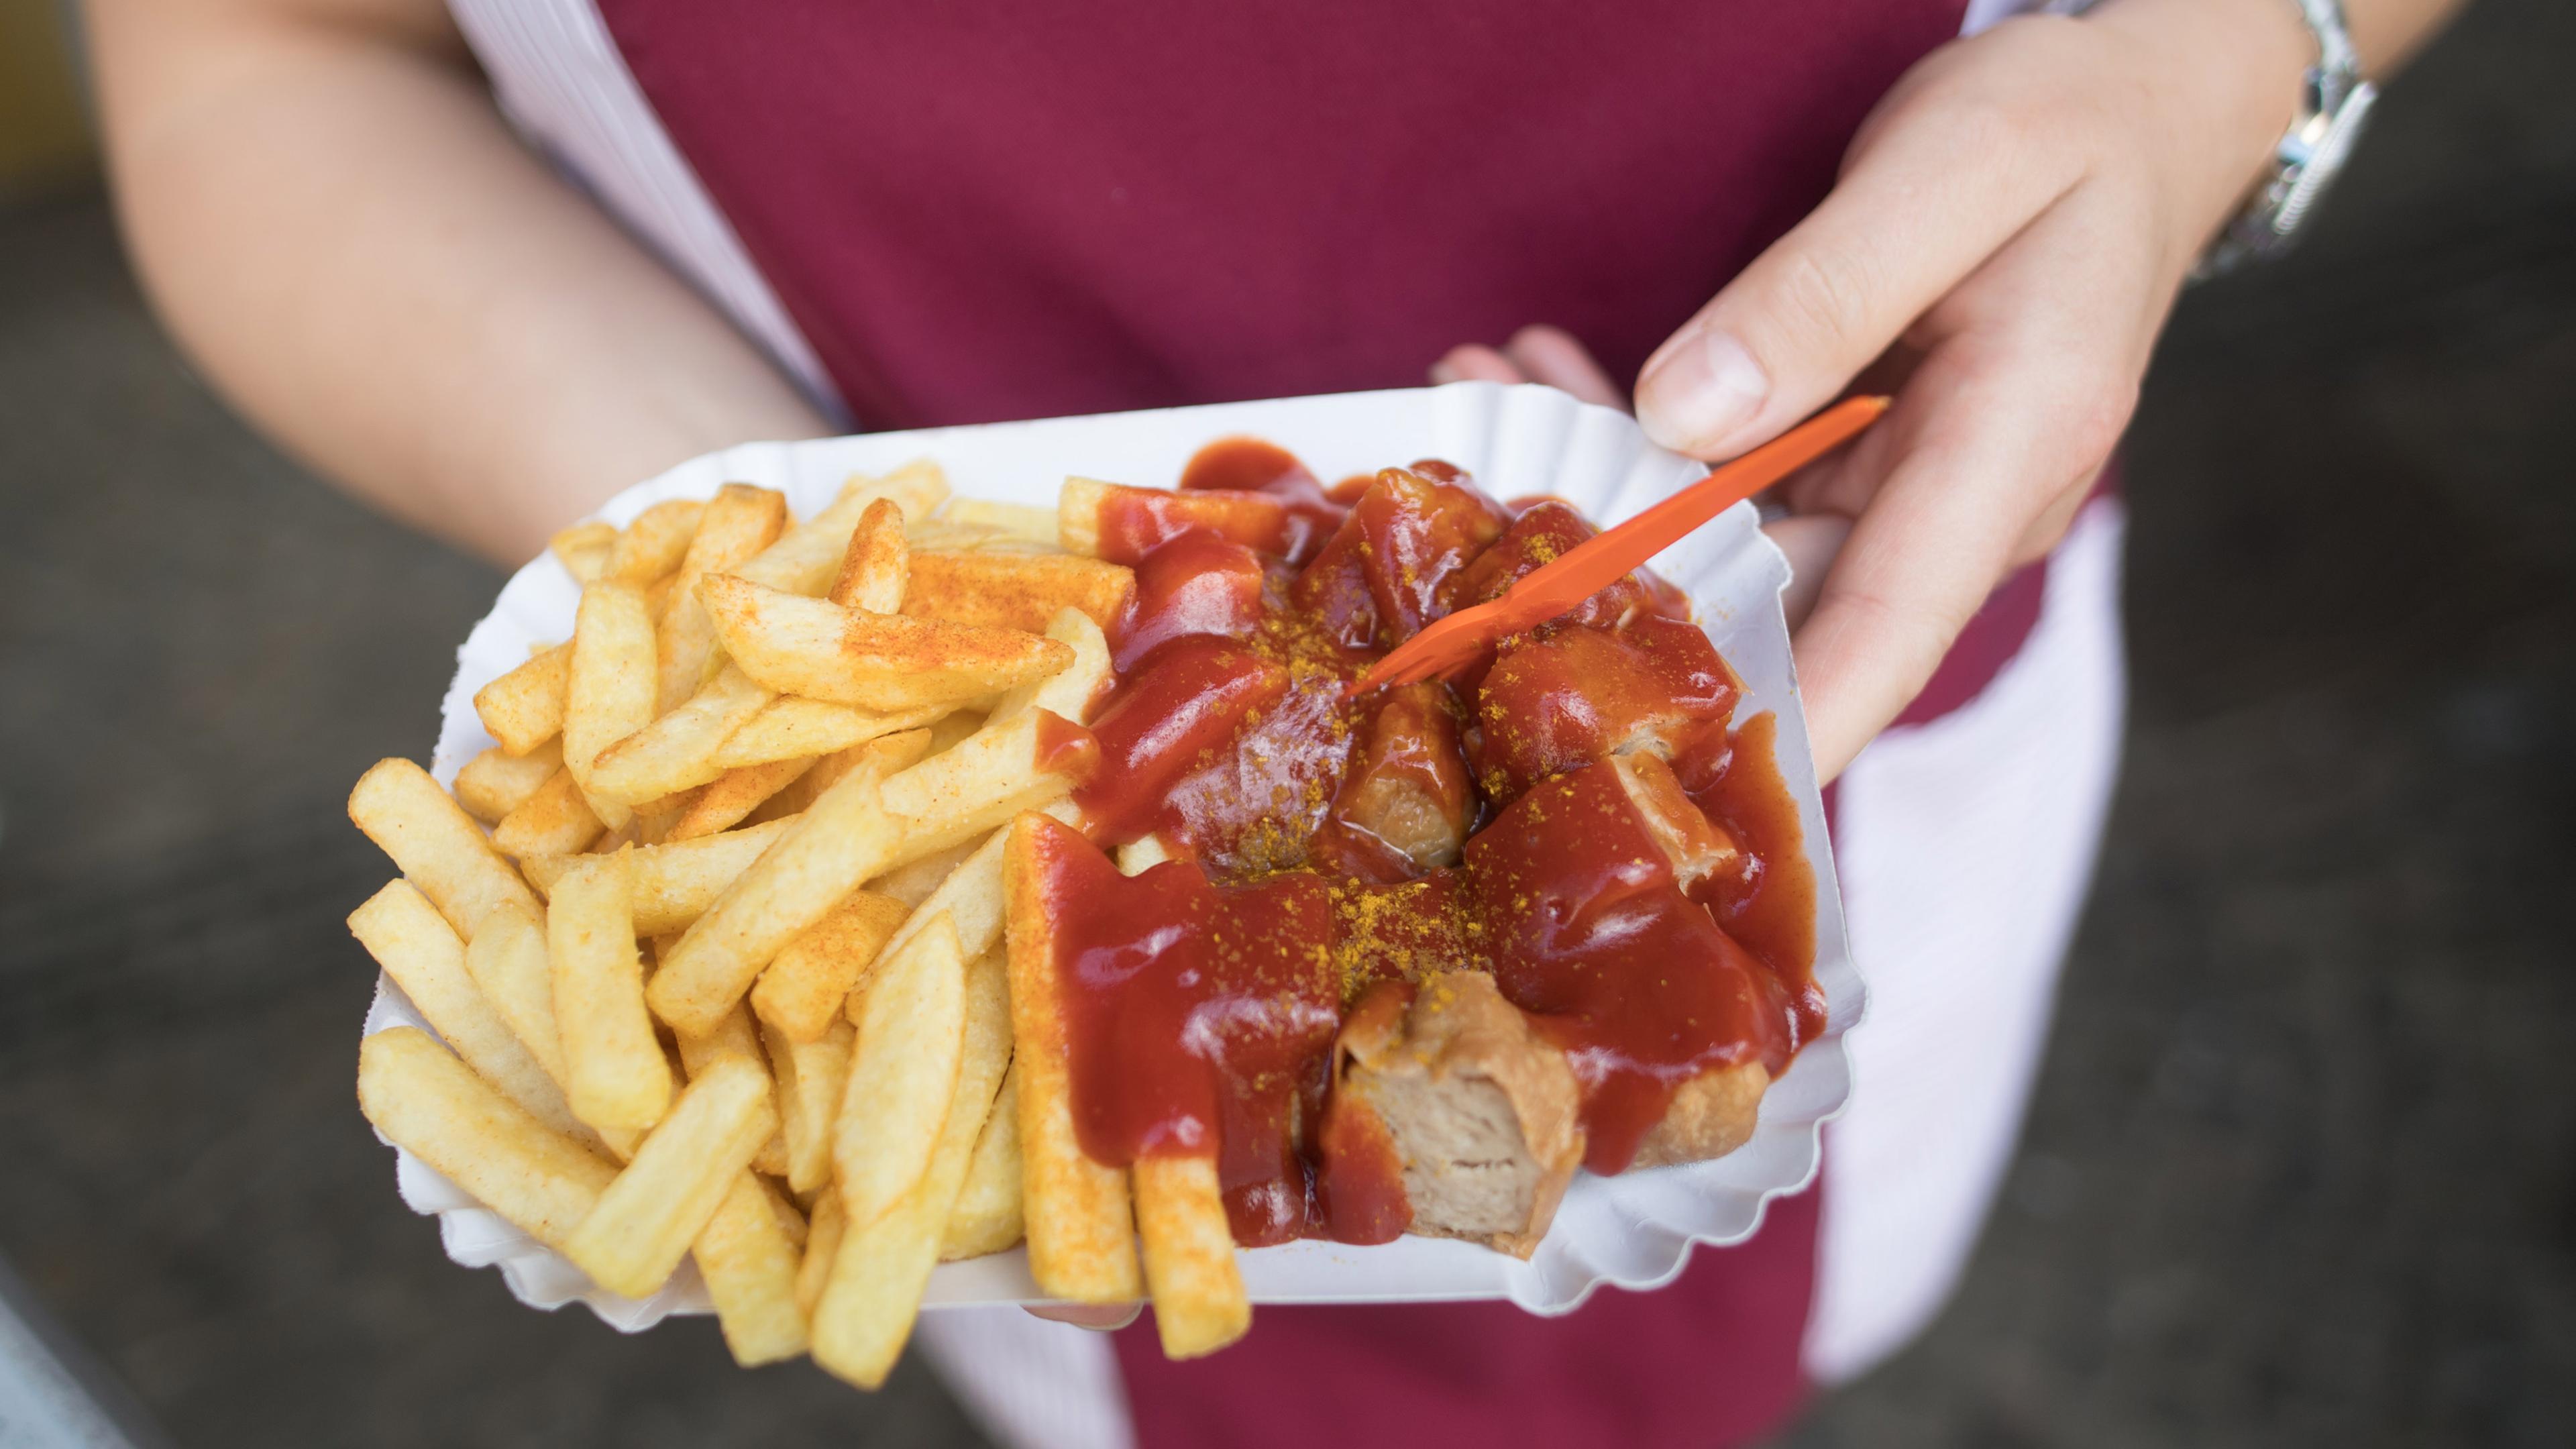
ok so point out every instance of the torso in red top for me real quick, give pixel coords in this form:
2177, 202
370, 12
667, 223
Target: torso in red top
1002, 211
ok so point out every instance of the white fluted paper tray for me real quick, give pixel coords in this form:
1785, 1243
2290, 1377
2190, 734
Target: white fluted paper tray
1635, 1230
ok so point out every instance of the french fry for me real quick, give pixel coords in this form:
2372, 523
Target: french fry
791, 1218
874, 567
805, 559
496, 782
902, 1075
954, 729
948, 537
973, 897
1021, 520
1147, 516
1081, 1228
583, 549
617, 1077
435, 844
801, 991
1015, 590
677, 751
1199, 1302
810, 1076
885, 753
822, 1244
882, 1264
431, 1105
749, 1261
1074, 691
666, 1196
654, 543
987, 1217
735, 1036
610, 695
839, 841
555, 820
791, 728
1142, 854
914, 881
507, 959
733, 795
820, 650
421, 952
739, 522
964, 792
525, 707
676, 882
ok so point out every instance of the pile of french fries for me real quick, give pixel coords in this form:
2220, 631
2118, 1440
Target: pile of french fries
728, 976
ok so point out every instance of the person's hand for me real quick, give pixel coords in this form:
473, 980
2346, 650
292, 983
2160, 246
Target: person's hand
2008, 233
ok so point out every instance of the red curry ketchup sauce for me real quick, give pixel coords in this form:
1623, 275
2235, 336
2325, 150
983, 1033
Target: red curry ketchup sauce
1328, 851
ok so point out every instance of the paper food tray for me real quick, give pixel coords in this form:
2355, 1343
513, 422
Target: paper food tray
1635, 1230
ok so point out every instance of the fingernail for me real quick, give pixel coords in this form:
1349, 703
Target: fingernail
1443, 372
1705, 389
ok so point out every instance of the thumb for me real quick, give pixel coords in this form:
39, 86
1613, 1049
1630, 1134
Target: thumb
1791, 331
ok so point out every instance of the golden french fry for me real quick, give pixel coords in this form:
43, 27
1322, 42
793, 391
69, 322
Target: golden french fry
525, 707
555, 820
677, 751
507, 959
885, 753
805, 559
1074, 691
948, 537
882, 1265
955, 728
810, 1075
792, 728
1077, 515
749, 1261
676, 882
987, 1216
421, 952
839, 841
973, 897
1015, 590
914, 881
822, 1244
617, 1075
740, 522
791, 1218
732, 796
610, 695
820, 650
433, 1106
1021, 520
802, 989
666, 1196
875, 565
653, 545
583, 549
1081, 1229
1199, 1302
435, 844
1142, 854
902, 1074
993, 775
735, 1036
496, 782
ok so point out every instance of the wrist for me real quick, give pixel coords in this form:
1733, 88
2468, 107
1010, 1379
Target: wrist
2225, 78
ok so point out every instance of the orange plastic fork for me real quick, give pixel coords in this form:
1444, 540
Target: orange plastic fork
1453, 643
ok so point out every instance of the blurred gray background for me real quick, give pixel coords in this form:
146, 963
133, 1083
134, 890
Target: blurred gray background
2298, 1171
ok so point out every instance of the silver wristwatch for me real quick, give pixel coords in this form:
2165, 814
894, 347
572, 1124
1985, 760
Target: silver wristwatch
2332, 106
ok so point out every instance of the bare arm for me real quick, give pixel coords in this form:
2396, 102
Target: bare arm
332, 217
